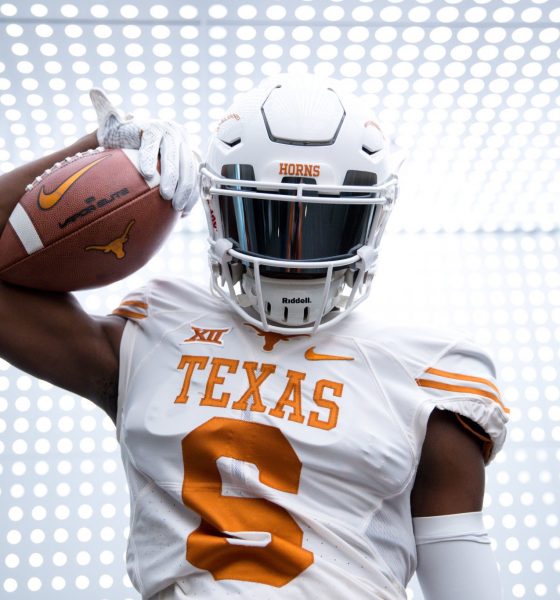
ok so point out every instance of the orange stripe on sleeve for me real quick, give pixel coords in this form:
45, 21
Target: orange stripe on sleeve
122, 312
462, 377
136, 303
438, 385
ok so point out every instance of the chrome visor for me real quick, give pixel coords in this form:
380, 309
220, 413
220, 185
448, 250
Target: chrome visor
304, 224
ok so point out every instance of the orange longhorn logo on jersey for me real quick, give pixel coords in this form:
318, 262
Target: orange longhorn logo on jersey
207, 336
117, 245
271, 338
299, 170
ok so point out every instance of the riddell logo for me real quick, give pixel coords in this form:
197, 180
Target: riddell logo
296, 300
299, 170
213, 219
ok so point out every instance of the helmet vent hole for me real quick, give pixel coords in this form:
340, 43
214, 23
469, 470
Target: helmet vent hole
268, 308
233, 142
368, 151
285, 313
306, 313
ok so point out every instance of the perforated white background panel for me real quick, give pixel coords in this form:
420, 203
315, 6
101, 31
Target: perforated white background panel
467, 91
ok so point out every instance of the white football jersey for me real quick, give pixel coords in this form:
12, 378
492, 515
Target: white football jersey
268, 466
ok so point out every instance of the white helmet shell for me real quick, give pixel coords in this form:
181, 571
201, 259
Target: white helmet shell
297, 190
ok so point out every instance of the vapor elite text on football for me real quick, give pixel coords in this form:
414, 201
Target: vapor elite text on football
92, 204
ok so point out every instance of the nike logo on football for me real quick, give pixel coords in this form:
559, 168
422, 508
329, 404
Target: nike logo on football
50, 199
310, 354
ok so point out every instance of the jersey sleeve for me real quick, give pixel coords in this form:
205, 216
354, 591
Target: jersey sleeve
150, 311
164, 295
134, 306
463, 380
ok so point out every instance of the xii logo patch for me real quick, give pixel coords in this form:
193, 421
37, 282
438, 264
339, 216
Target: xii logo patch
207, 336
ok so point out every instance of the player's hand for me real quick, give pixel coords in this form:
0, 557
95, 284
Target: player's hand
179, 164
154, 139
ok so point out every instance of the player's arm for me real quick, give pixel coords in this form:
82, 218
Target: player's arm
12, 186
48, 334
450, 476
455, 559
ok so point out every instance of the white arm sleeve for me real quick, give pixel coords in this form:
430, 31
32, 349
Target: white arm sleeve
455, 559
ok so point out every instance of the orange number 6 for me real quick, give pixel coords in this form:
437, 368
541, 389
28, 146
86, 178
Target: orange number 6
275, 563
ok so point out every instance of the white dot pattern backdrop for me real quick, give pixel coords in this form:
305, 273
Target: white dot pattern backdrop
468, 91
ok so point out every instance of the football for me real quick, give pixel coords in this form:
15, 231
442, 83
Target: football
88, 221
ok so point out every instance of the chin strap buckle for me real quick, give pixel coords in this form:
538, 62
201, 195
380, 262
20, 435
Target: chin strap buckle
368, 258
230, 270
391, 192
221, 250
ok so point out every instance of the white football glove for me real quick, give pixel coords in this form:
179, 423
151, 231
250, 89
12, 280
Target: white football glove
154, 139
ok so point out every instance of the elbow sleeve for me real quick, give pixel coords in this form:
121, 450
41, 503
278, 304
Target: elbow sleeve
455, 558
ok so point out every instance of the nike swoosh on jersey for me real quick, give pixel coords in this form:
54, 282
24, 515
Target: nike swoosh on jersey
310, 354
48, 200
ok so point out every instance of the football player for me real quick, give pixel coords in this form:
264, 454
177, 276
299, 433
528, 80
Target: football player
277, 443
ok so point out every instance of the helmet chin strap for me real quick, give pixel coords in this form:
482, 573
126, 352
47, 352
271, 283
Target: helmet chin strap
294, 302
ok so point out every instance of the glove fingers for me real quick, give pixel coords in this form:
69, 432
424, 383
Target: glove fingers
169, 166
103, 107
186, 194
114, 131
124, 135
149, 148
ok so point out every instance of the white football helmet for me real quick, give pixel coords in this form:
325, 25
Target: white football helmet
297, 190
